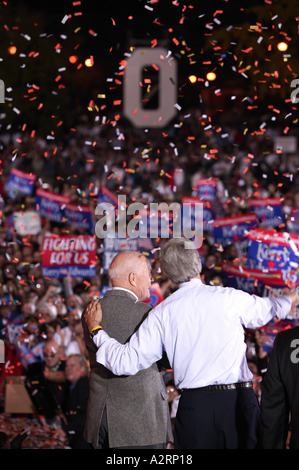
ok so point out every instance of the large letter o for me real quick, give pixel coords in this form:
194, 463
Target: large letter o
132, 93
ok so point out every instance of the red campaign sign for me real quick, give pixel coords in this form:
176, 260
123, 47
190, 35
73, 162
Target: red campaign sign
68, 251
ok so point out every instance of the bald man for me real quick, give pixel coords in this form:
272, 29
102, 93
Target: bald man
127, 411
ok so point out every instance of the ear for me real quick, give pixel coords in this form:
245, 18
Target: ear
132, 279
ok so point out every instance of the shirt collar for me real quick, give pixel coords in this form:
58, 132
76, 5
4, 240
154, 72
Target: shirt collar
194, 280
126, 290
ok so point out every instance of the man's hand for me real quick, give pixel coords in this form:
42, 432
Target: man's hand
93, 314
294, 296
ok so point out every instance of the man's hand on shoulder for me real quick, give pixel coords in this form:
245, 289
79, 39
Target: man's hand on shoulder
294, 296
93, 314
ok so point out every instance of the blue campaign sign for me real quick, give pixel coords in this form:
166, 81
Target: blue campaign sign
207, 189
107, 196
273, 328
78, 216
253, 281
49, 205
293, 221
268, 211
275, 251
229, 230
188, 213
20, 183
113, 246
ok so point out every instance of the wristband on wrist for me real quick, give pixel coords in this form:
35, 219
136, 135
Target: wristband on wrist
95, 330
98, 327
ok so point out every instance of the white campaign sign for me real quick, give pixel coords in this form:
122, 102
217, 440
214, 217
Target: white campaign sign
132, 91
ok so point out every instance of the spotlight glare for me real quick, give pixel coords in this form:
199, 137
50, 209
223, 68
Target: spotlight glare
192, 78
12, 50
89, 62
282, 46
211, 76
73, 59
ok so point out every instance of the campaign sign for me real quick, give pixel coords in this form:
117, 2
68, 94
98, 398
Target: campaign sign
154, 222
105, 195
277, 289
268, 211
229, 230
13, 331
275, 251
293, 221
50, 205
273, 328
69, 256
27, 223
207, 189
113, 246
156, 296
78, 216
188, 213
263, 284
20, 183
249, 280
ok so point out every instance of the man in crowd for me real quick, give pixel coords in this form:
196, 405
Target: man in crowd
201, 329
126, 412
75, 405
280, 402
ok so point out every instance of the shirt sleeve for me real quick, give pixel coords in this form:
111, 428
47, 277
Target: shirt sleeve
144, 348
258, 311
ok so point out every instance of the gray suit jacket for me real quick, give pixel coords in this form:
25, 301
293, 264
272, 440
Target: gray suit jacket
137, 406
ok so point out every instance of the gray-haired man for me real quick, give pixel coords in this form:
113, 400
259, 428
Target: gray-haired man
201, 329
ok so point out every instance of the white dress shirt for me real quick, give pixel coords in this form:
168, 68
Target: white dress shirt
126, 290
200, 328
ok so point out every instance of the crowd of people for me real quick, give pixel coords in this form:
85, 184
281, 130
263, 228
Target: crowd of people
40, 317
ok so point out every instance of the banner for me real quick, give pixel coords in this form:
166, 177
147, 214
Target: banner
105, 195
273, 328
253, 281
275, 251
263, 284
113, 246
268, 211
20, 183
229, 230
293, 221
156, 296
207, 189
49, 205
69, 256
27, 223
13, 331
208, 212
78, 216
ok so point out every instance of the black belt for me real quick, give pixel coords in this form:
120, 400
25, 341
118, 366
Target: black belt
220, 387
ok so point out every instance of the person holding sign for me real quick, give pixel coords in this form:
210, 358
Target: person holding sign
126, 412
200, 328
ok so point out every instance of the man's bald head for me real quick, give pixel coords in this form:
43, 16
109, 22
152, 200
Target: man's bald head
127, 270
123, 264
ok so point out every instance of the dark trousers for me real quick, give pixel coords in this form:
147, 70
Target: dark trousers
227, 419
104, 437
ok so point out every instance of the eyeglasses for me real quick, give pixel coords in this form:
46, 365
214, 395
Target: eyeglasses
49, 355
